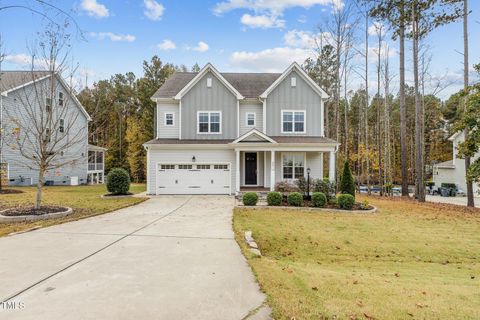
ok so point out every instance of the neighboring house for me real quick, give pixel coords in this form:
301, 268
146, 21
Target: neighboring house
21, 92
453, 171
222, 133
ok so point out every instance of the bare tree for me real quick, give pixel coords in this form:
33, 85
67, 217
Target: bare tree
387, 111
3, 168
43, 128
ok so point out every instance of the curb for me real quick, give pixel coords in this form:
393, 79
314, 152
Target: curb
10, 219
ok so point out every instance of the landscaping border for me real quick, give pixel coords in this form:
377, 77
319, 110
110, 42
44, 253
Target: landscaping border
260, 207
122, 196
10, 219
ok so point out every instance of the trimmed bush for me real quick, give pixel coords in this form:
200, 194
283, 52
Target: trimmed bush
250, 199
118, 181
345, 201
295, 199
302, 184
347, 184
324, 186
286, 187
319, 199
274, 198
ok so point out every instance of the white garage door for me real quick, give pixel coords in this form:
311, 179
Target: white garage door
193, 178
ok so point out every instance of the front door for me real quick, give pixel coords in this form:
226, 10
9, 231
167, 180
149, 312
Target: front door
250, 168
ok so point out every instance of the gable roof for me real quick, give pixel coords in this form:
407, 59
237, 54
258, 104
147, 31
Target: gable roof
256, 135
303, 74
208, 68
13, 80
249, 85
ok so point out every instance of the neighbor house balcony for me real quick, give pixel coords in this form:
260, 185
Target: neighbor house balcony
96, 164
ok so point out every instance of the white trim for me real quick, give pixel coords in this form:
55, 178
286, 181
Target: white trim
264, 125
322, 119
293, 166
254, 119
209, 112
165, 119
179, 120
272, 170
208, 67
293, 122
264, 168
148, 171
5, 93
238, 118
302, 73
253, 131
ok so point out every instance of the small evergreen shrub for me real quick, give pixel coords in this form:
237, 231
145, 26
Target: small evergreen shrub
345, 201
324, 186
274, 198
295, 199
347, 184
332, 201
302, 185
250, 199
319, 199
118, 181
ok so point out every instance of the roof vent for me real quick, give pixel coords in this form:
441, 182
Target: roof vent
294, 82
209, 82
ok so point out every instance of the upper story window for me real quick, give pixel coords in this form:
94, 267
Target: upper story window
250, 119
293, 121
61, 126
48, 104
169, 119
60, 98
209, 122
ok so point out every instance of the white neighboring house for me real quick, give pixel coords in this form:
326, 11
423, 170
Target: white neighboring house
453, 171
223, 133
18, 85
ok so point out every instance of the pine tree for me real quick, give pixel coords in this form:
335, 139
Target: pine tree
347, 184
135, 138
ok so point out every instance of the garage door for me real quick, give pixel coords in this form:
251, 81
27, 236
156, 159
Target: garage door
193, 178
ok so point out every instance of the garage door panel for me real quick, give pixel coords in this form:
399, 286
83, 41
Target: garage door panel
193, 179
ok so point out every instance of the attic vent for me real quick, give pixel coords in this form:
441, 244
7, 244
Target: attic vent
209, 82
294, 82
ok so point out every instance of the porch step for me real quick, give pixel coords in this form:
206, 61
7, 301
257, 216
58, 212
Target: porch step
262, 195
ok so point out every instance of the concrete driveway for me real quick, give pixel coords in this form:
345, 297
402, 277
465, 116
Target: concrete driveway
171, 257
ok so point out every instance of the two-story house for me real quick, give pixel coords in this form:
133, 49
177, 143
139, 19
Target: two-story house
25, 99
220, 133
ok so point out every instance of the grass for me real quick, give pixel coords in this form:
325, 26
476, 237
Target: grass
408, 261
84, 200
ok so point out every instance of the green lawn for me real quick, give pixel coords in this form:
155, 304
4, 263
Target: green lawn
84, 200
408, 261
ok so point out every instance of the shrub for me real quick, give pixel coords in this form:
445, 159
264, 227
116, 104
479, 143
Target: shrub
250, 199
324, 186
345, 201
347, 184
285, 187
302, 184
295, 199
319, 199
118, 181
332, 201
274, 198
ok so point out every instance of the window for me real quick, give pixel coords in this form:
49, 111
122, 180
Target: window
48, 104
185, 166
169, 119
251, 119
48, 136
220, 167
61, 126
209, 122
293, 121
60, 98
203, 166
293, 165
167, 166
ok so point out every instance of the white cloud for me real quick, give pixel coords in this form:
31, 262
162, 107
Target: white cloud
113, 36
25, 60
376, 28
166, 44
273, 6
269, 60
153, 9
94, 9
262, 21
201, 47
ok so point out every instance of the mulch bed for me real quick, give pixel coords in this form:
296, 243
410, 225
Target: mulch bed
118, 195
31, 211
11, 191
308, 204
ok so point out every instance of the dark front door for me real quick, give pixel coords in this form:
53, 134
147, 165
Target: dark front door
250, 168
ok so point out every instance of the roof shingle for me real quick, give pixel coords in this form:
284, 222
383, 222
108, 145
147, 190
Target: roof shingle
13, 79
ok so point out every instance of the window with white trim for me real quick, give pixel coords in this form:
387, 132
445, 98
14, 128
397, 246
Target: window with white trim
185, 166
293, 165
167, 166
60, 98
209, 122
293, 121
251, 119
203, 166
61, 126
169, 119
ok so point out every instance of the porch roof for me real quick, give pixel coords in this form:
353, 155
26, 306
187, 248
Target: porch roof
278, 139
91, 147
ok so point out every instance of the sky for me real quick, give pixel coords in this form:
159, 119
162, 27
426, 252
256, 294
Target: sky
234, 35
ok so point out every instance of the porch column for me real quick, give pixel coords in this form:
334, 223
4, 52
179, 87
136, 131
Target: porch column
272, 170
237, 172
331, 167
321, 165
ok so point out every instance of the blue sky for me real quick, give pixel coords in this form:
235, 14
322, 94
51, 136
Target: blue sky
235, 35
